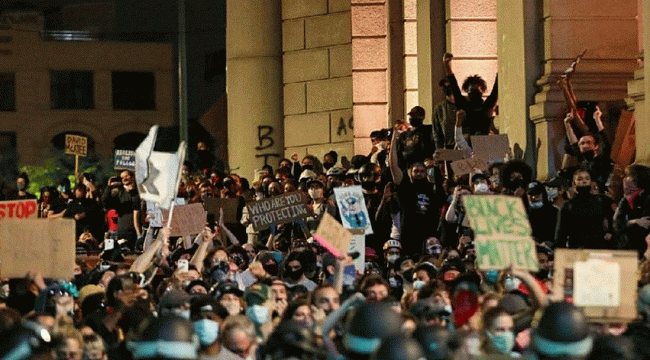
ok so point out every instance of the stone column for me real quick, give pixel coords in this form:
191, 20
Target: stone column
519, 51
609, 34
254, 84
431, 45
396, 60
641, 117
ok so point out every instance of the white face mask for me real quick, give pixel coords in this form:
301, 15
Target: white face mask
481, 188
392, 258
418, 284
315, 193
258, 314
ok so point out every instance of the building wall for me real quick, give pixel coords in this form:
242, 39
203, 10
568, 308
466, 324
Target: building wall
317, 77
31, 59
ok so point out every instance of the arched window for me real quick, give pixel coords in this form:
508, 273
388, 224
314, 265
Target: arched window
128, 141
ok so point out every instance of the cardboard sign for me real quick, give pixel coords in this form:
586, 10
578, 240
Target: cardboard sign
76, 145
333, 236
188, 219
124, 160
467, 166
503, 236
41, 245
229, 206
18, 209
601, 282
448, 154
354, 213
492, 148
280, 209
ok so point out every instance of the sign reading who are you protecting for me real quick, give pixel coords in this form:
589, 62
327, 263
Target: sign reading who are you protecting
280, 209
502, 232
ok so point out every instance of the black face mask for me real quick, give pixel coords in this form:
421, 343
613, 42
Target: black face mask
408, 274
369, 185
271, 269
447, 90
308, 167
583, 190
327, 166
516, 183
294, 275
475, 97
589, 155
415, 122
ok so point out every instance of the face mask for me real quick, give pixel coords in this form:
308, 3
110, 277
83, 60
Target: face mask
491, 276
583, 190
258, 314
368, 185
294, 275
415, 122
418, 284
589, 155
543, 274
536, 204
503, 343
447, 90
207, 330
392, 258
511, 283
21, 186
481, 188
271, 269
516, 183
475, 96
434, 249
327, 166
552, 193
308, 167
408, 274
233, 307
315, 193
185, 314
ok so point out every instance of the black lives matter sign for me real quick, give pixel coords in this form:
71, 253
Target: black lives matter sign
280, 209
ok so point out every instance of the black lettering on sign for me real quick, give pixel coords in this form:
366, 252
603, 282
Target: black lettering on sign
264, 137
343, 127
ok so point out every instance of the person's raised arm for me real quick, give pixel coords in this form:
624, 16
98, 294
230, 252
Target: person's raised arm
570, 134
461, 143
395, 171
606, 146
494, 94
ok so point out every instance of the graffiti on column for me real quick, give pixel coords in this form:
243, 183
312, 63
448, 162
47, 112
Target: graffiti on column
343, 126
266, 141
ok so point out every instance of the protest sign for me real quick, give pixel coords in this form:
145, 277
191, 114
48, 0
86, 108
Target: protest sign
601, 282
155, 214
188, 219
280, 209
354, 213
18, 209
502, 233
492, 148
229, 206
333, 236
466, 166
41, 245
448, 154
124, 160
76, 145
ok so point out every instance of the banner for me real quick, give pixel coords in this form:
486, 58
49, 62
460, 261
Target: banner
502, 233
601, 282
333, 236
124, 160
354, 213
18, 209
76, 145
280, 209
188, 219
467, 166
448, 154
41, 245
492, 148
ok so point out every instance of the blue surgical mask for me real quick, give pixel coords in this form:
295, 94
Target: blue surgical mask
207, 330
536, 204
185, 314
503, 343
418, 284
258, 314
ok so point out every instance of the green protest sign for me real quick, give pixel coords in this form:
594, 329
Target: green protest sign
501, 254
502, 232
496, 215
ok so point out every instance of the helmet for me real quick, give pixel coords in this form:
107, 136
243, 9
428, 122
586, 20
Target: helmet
392, 244
290, 339
562, 330
370, 323
168, 336
436, 342
367, 173
399, 347
307, 175
336, 171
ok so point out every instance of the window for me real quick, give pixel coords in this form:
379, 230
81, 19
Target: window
7, 92
134, 90
72, 90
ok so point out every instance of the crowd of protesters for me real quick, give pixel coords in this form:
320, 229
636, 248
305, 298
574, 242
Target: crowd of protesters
231, 292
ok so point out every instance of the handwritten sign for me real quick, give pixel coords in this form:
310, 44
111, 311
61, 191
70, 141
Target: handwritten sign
492, 148
354, 213
503, 236
466, 166
229, 206
280, 209
448, 154
41, 245
333, 236
76, 145
18, 209
601, 282
124, 160
188, 219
